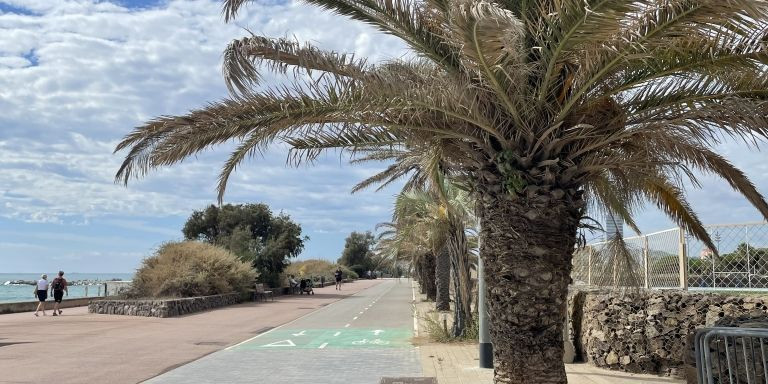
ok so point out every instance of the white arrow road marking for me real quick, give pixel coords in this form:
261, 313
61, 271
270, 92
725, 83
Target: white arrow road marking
322, 346
299, 334
281, 343
376, 332
336, 334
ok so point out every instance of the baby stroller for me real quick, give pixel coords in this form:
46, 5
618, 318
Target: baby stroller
305, 286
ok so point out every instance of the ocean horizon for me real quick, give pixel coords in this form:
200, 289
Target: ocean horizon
15, 293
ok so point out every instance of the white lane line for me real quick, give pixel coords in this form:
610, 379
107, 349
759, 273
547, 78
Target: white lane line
354, 318
346, 326
296, 319
322, 346
361, 313
336, 334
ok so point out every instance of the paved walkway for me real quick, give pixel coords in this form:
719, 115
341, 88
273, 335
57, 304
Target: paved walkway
458, 364
354, 341
296, 339
79, 347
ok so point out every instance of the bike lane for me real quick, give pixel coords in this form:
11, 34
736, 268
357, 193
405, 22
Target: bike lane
355, 340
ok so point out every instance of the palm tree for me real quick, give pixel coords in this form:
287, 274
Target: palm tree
397, 242
543, 107
442, 214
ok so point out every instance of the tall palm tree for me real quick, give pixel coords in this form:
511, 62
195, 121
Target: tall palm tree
442, 214
544, 107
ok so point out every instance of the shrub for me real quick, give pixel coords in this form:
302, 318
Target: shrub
699, 267
190, 268
314, 268
440, 332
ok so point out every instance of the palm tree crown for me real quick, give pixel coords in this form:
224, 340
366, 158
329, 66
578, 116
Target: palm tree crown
621, 98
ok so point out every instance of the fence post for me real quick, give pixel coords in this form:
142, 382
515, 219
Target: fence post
683, 262
589, 266
645, 263
615, 263
749, 257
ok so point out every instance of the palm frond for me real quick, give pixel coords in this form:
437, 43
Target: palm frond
671, 201
243, 57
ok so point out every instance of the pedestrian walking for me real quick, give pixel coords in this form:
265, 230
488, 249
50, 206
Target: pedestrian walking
41, 292
58, 287
337, 275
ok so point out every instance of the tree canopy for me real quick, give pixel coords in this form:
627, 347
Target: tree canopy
252, 232
358, 252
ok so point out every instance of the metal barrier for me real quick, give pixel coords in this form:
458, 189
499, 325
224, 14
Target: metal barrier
731, 355
674, 259
114, 288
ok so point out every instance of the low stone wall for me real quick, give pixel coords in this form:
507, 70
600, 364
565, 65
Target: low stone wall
162, 307
30, 306
650, 331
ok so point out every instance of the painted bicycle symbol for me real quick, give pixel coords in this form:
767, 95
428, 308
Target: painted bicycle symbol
370, 342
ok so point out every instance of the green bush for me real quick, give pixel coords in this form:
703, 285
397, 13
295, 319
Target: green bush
189, 269
699, 266
314, 268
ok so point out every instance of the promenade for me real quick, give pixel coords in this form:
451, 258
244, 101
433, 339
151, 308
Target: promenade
79, 347
353, 336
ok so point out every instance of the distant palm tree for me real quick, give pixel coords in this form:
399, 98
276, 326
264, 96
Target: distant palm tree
442, 214
543, 107
396, 242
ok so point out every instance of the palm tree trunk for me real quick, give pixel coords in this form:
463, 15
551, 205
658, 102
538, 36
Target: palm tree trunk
428, 277
527, 245
418, 274
462, 285
443, 280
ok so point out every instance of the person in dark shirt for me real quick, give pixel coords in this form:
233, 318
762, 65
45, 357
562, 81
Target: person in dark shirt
58, 287
337, 275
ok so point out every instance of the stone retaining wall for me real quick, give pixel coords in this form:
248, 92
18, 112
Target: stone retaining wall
162, 307
30, 306
649, 331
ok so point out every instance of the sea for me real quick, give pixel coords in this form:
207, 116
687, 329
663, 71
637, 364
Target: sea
92, 284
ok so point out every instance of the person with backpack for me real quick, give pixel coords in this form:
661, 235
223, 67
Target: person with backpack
58, 287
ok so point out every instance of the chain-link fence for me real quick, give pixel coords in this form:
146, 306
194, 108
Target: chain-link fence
740, 260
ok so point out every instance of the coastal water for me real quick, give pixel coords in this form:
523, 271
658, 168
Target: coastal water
12, 293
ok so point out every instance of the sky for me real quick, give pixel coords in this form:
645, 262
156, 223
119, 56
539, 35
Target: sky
77, 75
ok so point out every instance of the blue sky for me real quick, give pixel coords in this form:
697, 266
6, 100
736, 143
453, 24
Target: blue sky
77, 75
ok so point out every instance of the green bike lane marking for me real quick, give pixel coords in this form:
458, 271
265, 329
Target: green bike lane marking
331, 338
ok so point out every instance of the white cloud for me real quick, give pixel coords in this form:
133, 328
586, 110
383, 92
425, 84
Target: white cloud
76, 75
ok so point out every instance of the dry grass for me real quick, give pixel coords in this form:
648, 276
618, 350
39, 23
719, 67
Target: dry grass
191, 268
435, 326
317, 268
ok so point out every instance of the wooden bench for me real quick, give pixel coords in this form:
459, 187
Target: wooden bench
260, 292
